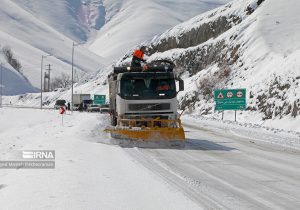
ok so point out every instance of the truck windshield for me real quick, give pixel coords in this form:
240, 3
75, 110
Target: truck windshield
148, 87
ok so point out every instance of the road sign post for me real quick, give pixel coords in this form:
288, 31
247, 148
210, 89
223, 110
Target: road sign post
62, 111
230, 99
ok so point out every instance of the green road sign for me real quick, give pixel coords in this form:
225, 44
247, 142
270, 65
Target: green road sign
99, 99
234, 99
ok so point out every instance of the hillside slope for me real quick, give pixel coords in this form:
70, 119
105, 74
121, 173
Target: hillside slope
112, 27
66, 16
248, 44
38, 28
129, 22
30, 38
13, 82
245, 44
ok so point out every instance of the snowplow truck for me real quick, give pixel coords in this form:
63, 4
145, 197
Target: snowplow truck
143, 106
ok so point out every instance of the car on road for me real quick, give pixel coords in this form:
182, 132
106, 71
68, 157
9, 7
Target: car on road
104, 108
60, 103
76, 107
93, 108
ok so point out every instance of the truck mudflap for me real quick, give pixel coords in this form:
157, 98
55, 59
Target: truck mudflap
152, 133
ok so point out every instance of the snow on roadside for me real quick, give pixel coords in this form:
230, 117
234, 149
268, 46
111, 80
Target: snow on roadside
253, 132
88, 175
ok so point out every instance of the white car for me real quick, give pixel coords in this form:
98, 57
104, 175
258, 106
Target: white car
104, 108
93, 108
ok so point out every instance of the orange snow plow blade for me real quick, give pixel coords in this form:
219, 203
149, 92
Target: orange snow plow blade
159, 132
152, 134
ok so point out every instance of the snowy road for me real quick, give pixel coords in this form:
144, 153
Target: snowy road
216, 170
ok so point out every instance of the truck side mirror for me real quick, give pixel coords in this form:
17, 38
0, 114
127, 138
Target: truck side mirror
181, 85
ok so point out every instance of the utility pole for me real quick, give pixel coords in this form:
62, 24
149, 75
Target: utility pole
42, 81
1, 84
72, 91
72, 97
47, 80
42, 63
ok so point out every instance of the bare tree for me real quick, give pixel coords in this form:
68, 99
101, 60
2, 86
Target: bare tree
64, 81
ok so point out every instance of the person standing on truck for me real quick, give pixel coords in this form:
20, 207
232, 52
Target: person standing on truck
138, 57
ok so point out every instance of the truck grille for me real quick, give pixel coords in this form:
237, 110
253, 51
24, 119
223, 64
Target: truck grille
149, 107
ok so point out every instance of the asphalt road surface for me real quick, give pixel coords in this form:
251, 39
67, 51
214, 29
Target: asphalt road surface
218, 170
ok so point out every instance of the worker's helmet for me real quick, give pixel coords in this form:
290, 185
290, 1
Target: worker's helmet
143, 49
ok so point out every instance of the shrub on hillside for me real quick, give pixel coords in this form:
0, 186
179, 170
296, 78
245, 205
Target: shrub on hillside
10, 58
210, 82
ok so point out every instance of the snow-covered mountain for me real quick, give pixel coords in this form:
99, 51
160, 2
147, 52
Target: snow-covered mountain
245, 44
110, 27
129, 22
248, 44
30, 37
65, 16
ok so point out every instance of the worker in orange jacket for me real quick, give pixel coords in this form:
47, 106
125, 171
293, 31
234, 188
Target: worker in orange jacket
138, 57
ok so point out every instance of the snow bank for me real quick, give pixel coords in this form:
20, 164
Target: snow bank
87, 174
248, 131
